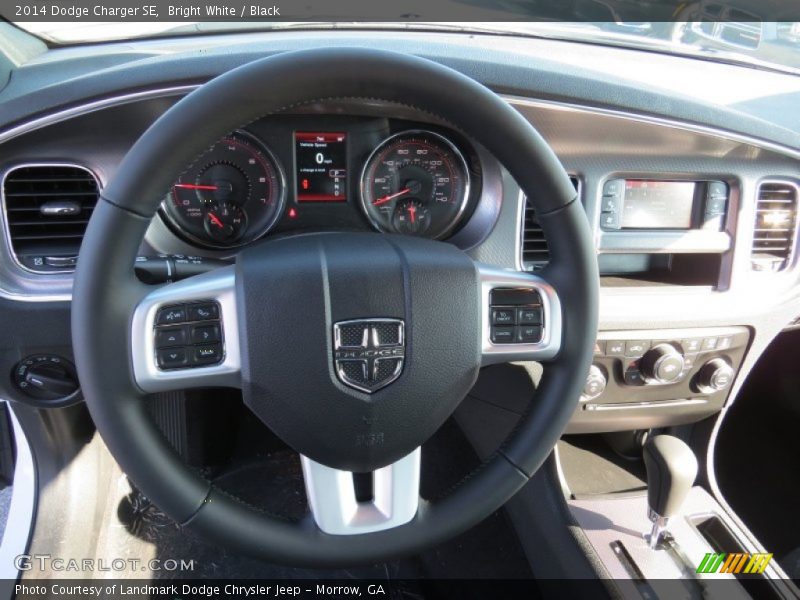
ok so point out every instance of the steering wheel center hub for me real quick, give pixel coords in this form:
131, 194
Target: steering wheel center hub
356, 347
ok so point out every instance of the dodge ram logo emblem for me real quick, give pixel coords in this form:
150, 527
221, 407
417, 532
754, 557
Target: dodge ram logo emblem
369, 353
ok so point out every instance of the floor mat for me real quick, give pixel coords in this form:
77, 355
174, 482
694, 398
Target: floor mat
273, 480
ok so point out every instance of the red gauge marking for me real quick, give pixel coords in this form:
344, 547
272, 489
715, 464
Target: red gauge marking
192, 186
390, 197
215, 220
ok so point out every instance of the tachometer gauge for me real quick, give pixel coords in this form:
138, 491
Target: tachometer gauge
233, 194
417, 183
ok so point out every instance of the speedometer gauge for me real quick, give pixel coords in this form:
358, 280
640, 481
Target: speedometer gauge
233, 194
416, 183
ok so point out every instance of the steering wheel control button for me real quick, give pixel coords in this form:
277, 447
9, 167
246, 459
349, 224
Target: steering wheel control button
516, 316
203, 312
170, 315
529, 334
172, 358
504, 316
208, 354
186, 346
205, 334
529, 316
170, 336
503, 335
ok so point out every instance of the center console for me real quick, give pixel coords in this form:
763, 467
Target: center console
658, 378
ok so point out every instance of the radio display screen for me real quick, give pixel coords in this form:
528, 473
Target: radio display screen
657, 204
321, 166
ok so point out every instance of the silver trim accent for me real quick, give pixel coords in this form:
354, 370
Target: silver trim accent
19, 521
493, 277
218, 285
4, 213
331, 496
441, 138
370, 341
164, 213
663, 242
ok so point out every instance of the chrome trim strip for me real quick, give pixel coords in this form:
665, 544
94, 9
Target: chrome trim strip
75, 111
19, 520
550, 344
4, 213
218, 285
332, 499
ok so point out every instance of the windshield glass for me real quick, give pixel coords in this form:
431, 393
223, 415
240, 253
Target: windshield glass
757, 43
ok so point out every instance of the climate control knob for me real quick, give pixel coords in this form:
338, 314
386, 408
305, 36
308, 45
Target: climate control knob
595, 384
714, 376
662, 364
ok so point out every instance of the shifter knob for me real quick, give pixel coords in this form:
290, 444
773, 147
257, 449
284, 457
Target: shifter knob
671, 470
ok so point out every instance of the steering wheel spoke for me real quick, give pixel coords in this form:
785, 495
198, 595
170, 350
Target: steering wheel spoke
336, 509
185, 334
520, 316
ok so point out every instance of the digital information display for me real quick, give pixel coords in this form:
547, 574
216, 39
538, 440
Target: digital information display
321, 162
657, 205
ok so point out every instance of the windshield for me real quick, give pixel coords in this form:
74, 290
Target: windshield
756, 43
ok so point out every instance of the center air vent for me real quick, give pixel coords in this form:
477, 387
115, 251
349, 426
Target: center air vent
47, 209
535, 253
776, 221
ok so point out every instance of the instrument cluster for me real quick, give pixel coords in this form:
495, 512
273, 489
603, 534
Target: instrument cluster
327, 173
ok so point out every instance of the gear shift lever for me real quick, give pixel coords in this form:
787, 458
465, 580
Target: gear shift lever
671, 470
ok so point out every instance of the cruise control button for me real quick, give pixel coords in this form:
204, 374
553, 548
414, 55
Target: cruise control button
202, 312
529, 316
207, 354
170, 315
502, 335
172, 358
170, 336
205, 334
503, 316
529, 334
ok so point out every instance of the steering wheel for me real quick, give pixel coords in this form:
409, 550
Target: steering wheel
354, 348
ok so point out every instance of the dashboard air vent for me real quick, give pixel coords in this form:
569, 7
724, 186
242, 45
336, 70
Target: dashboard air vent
535, 253
47, 209
776, 221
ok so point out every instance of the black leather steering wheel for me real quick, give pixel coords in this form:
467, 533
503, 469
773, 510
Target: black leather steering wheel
286, 303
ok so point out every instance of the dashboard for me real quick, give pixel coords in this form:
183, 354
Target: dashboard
692, 200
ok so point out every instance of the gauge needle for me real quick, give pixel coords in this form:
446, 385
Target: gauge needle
215, 220
192, 186
390, 197
412, 210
